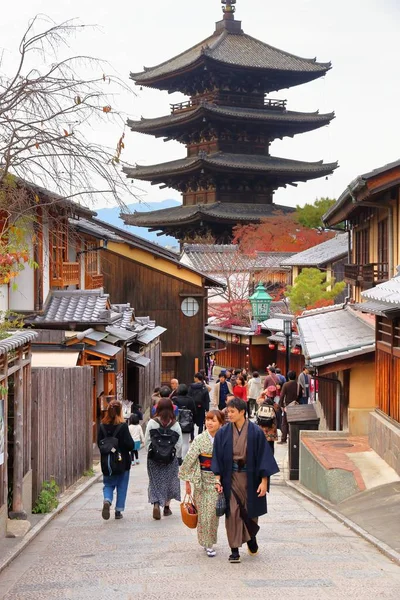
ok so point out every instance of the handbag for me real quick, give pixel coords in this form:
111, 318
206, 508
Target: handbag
189, 512
220, 507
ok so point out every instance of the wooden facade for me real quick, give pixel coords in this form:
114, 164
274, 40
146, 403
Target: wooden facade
388, 367
161, 294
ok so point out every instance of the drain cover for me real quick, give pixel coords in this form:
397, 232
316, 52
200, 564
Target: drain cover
343, 445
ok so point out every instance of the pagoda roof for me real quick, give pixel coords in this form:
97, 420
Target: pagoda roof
233, 50
224, 212
273, 117
240, 163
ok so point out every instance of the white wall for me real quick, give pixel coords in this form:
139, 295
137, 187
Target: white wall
45, 262
23, 296
3, 298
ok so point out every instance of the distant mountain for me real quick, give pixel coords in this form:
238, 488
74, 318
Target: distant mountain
111, 215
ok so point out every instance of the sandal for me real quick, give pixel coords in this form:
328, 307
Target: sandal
210, 552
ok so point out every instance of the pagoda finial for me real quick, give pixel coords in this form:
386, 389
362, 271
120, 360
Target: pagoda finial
229, 8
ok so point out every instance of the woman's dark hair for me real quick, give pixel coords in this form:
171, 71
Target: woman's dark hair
113, 415
182, 389
165, 391
238, 371
216, 413
237, 403
165, 412
291, 375
199, 376
240, 378
256, 374
156, 390
133, 420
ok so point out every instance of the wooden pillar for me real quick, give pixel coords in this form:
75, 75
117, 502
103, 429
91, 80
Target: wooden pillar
18, 464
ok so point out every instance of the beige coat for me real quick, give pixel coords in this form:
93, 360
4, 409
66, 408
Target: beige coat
216, 392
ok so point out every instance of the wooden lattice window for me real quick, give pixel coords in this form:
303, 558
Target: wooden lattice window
58, 248
384, 331
362, 247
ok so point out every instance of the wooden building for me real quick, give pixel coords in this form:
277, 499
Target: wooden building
370, 206
227, 125
154, 281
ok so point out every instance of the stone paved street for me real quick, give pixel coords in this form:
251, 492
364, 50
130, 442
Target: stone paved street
304, 553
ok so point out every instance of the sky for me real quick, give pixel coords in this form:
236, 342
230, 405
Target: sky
359, 37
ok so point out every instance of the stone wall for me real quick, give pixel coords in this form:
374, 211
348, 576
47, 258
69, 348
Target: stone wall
384, 438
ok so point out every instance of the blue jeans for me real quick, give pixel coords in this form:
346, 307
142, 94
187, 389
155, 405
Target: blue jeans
120, 482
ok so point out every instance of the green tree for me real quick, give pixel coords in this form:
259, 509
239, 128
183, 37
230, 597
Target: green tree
310, 215
310, 290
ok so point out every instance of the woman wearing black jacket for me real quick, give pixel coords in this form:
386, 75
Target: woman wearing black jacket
185, 403
113, 425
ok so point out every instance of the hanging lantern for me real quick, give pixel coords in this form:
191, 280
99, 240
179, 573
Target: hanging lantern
282, 348
296, 350
271, 346
260, 303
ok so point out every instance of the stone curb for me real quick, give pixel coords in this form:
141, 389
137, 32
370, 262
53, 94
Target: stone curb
32, 533
381, 546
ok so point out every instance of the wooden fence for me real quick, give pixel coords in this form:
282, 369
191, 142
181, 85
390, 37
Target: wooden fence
61, 425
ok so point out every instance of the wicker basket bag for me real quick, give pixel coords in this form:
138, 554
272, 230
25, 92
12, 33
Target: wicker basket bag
189, 512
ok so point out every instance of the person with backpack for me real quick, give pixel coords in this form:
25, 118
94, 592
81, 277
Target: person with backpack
198, 391
186, 416
196, 472
115, 444
255, 387
267, 415
163, 440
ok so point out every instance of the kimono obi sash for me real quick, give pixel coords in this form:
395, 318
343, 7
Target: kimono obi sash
239, 469
205, 462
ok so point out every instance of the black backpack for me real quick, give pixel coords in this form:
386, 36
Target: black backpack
185, 420
162, 445
112, 462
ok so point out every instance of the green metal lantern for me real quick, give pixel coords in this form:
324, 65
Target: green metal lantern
260, 303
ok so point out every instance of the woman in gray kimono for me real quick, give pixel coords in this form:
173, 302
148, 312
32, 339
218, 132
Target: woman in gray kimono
196, 471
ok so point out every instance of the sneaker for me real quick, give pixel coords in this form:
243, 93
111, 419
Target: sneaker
156, 512
252, 547
167, 511
138, 462
105, 513
118, 514
234, 557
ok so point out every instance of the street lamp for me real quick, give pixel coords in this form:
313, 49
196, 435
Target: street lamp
260, 303
287, 330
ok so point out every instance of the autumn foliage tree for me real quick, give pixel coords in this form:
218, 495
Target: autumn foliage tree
278, 233
311, 289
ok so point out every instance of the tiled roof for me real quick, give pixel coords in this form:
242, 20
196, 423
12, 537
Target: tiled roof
319, 255
383, 299
269, 165
216, 258
335, 333
95, 228
16, 339
89, 306
260, 115
224, 211
355, 186
235, 49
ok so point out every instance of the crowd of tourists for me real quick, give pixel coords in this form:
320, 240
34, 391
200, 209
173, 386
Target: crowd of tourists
221, 445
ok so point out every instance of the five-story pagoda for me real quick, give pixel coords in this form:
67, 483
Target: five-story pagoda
228, 176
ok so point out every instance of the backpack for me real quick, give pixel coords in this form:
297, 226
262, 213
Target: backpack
185, 420
111, 459
266, 415
162, 445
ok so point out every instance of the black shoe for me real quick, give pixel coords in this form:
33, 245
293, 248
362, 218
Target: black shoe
118, 514
105, 513
252, 546
235, 556
156, 512
167, 511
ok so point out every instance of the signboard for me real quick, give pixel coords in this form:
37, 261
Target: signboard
110, 367
2, 432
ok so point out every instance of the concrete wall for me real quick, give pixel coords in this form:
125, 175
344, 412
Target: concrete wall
384, 438
361, 398
3, 522
335, 485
